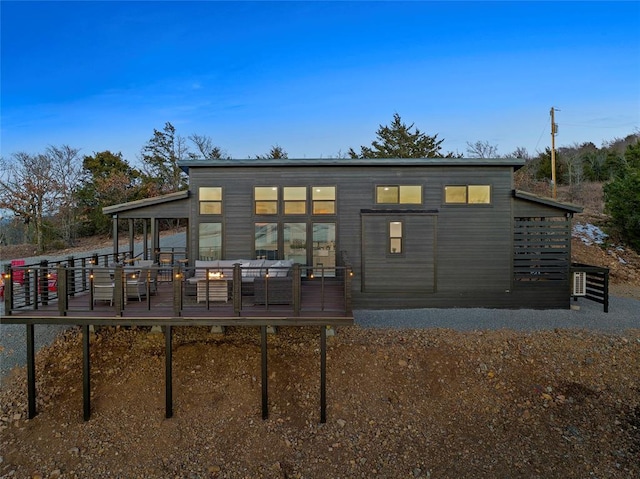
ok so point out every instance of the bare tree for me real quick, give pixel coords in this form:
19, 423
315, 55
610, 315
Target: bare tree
481, 149
67, 172
520, 152
26, 190
205, 149
41, 187
160, 157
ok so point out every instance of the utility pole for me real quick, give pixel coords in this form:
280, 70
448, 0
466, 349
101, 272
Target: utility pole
554, 131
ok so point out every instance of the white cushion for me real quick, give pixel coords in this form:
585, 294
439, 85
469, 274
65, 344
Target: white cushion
253, 269
278, 270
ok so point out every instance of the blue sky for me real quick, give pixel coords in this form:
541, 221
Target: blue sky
316, 77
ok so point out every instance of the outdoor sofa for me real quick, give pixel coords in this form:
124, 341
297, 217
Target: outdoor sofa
254, 277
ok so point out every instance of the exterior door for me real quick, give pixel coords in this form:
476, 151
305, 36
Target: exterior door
398, 252
324, 249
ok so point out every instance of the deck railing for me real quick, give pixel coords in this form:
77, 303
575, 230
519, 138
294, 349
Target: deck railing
30, 286
172, 290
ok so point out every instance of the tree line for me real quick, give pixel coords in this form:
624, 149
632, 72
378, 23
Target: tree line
57, 196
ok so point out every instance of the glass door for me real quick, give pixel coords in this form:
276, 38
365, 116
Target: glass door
295, 242
266, 240
324, 249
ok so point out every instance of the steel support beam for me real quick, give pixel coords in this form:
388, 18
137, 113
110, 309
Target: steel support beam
31, 373
86, 374
323, 374
265, 392
168, 373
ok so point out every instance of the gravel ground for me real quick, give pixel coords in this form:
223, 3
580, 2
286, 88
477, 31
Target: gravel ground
624, 313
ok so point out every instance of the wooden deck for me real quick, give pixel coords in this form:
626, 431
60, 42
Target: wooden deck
319, 300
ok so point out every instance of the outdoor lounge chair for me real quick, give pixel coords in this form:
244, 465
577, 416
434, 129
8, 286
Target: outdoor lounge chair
135, 285
103, 285
149, 271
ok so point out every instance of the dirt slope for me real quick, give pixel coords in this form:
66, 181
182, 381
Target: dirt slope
428, 403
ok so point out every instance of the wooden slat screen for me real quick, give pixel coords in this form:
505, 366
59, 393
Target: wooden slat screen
541, 249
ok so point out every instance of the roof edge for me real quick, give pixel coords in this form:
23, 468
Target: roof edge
543, 200
313, 162
155, 200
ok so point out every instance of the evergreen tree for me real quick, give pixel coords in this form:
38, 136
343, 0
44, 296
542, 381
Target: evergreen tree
622, 197
108, 179
275, 153
399, 141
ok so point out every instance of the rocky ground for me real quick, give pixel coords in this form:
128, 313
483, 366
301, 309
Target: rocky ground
401, 404
419, 403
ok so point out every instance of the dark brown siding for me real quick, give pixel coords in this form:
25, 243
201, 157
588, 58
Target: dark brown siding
472, 244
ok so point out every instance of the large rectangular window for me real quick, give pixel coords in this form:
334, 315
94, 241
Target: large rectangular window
324, 249
295, 200
323, 200
210, 241
210, 200
266, 240
266, 200
402, 194
467, 194
295, 242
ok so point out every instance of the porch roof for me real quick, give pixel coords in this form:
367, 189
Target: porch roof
148, 207
568, 207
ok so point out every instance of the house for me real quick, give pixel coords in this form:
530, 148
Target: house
416, 233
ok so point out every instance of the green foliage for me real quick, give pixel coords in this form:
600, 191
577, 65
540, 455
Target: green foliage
398, 141
622, 198
275, 153
108, 179
593, 163
543, 162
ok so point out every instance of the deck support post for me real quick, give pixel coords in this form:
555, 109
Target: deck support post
168, 387
31, 373
323, 374
265, 396
86, 373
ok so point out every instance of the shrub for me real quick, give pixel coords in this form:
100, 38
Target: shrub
622, 202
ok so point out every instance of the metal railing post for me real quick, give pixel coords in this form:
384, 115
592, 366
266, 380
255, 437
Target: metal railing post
44, 282
63, 299
119, 292
27, 286
177, 290
7, 277
348, 276
295, 288
72, 276
237, 289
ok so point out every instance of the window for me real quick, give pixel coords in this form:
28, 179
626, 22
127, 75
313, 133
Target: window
479, 194
266, 200
210, 241
266, 240
468, 194
324, 249
295, 242
210, 198
395, 237
323, 200
403, 194
295, 200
